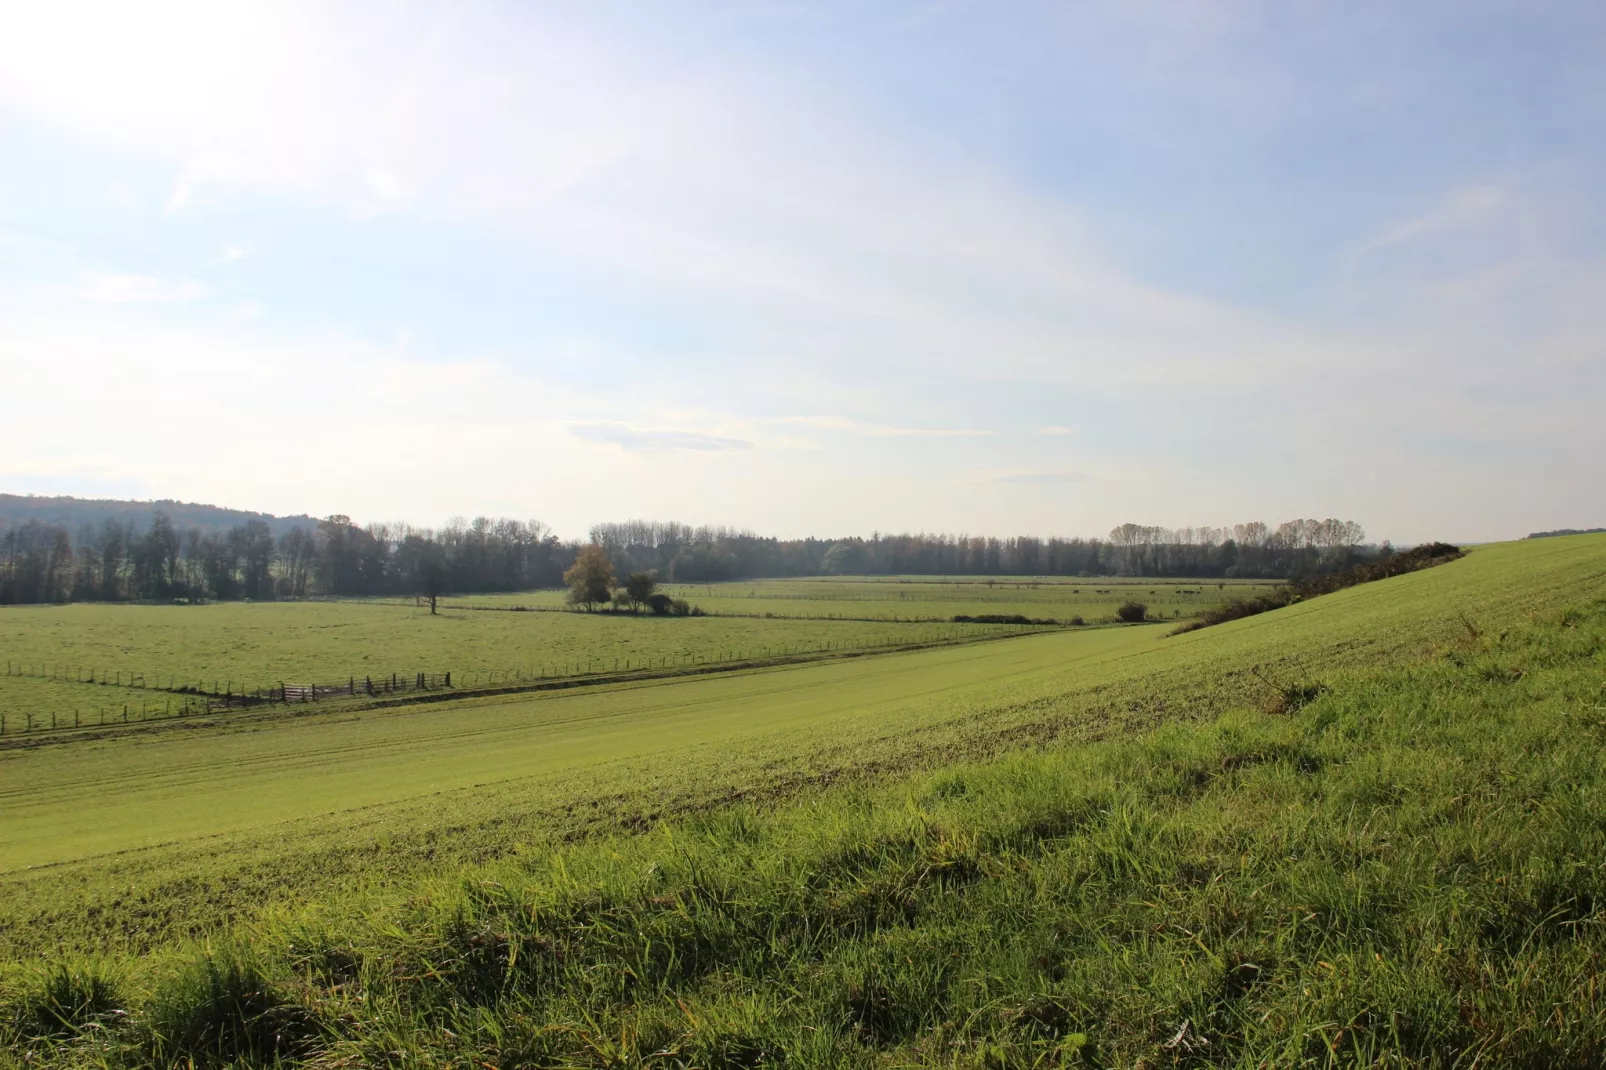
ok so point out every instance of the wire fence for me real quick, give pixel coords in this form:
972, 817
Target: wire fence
182, 696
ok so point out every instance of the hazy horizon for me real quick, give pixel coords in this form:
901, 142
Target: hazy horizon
811, 269
581, 535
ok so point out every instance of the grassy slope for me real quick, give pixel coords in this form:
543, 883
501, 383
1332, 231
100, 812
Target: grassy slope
184, 784
1408, 865
142, 898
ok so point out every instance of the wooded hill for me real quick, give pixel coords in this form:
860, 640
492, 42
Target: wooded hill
69, 512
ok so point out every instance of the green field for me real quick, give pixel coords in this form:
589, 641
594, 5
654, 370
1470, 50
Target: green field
1364, 829
928, 598
184, 784
133, 650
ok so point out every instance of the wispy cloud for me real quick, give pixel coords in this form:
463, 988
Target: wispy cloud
826, 423
875, 430
655, 440
140, 289
1461, 208
742, 237
1036, 479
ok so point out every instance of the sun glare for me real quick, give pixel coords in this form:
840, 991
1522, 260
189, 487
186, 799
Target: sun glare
163, 65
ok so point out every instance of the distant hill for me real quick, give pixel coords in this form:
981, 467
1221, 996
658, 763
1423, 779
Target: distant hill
74, 512
1566, 531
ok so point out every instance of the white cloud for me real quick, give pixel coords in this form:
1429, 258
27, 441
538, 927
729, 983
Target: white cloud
1461, 208
877, 430
655, 440
140, 289
782, 214
1037, 479
834, 261
925, 432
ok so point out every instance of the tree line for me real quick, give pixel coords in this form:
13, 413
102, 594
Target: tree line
116, 561
685, 554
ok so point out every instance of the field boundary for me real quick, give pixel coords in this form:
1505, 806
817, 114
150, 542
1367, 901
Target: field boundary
200, 700
63, 734
728, 615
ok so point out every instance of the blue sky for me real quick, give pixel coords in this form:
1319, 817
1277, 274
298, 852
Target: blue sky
812, 268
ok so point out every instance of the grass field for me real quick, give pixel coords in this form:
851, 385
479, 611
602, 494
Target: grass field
237, 645
927, 598
1097, 847
186, 783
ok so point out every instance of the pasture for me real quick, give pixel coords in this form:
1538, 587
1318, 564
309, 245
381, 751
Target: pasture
931, 598
184, 784
133, 652
262, 794
1364, 824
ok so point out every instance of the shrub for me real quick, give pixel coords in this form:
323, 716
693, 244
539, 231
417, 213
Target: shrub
1132, 612
661, 604
1239, 607
1077, 620
680, 607
1425, 556
1418, 557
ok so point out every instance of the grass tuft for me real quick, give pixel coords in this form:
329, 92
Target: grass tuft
64, 999
222, 1010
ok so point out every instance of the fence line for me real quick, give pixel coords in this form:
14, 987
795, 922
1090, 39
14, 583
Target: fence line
198, 700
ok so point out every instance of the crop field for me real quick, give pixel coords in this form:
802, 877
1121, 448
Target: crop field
133, 651
931, 598
184, 784
1362, 829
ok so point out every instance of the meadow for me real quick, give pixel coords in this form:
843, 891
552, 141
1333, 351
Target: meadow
132, 652
931, 598
1364, 829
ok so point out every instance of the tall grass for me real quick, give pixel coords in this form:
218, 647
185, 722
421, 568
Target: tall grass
1404, 868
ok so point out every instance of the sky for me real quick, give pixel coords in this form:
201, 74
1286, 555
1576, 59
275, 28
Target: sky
811, 268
